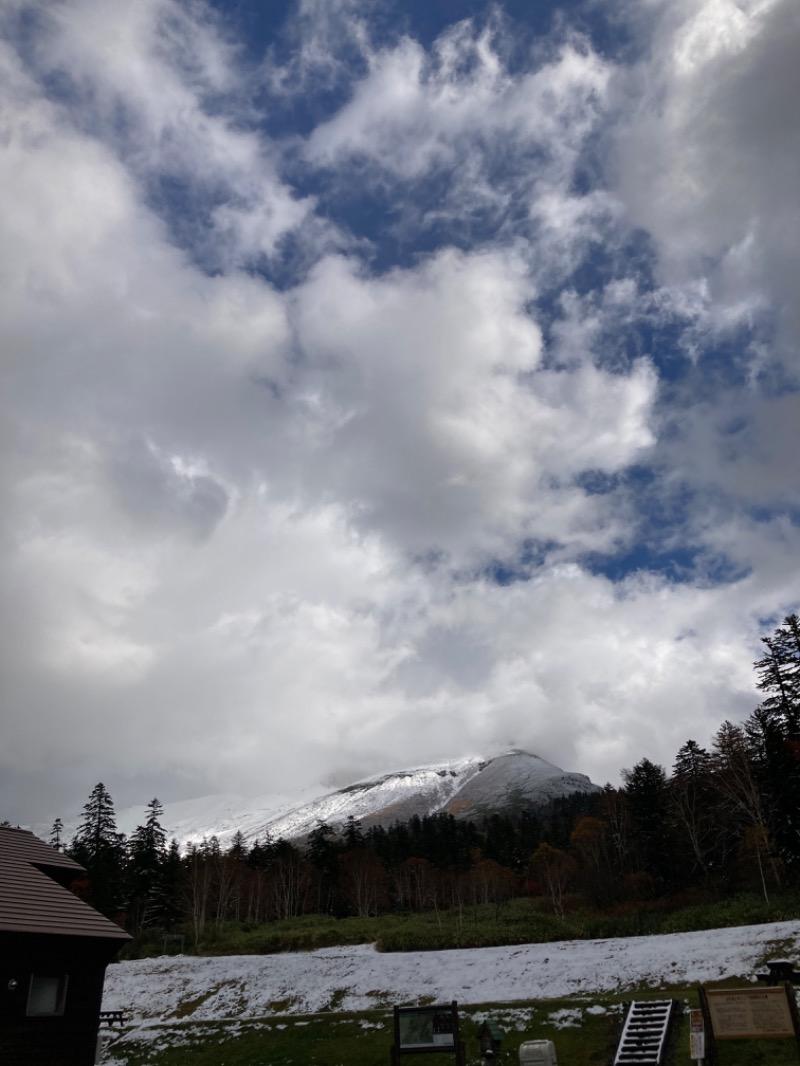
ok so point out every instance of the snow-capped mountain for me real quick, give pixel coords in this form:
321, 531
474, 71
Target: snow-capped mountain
466, 788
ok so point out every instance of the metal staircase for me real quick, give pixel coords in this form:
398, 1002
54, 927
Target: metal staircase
644, 1035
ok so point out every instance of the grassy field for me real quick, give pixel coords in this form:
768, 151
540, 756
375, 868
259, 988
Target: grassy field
520, 921
365, 1039
584, 1031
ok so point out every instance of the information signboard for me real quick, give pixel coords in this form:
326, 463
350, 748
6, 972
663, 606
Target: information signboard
748, 1013
424, 1029
420, 1030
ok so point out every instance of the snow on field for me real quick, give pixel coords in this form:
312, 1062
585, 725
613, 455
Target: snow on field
358, 978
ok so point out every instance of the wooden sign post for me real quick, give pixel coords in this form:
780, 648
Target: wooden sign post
747, 1014
697, 1036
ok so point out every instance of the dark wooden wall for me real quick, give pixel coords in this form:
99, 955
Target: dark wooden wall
69, 1039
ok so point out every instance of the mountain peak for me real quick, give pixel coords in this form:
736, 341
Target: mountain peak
470, 787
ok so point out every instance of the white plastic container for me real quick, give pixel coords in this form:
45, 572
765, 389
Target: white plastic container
537, 1053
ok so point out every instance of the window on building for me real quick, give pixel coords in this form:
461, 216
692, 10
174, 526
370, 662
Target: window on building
47, 995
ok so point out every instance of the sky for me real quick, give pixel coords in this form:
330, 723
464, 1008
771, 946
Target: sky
386, 382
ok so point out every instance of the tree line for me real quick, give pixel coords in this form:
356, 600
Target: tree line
726, 818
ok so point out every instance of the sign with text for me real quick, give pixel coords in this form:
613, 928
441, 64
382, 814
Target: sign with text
427, 1029
748, 1013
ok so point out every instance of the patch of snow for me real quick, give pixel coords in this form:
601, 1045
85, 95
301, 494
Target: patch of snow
565, 1019
253, 986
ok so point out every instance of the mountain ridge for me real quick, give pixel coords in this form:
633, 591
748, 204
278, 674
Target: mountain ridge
470, 787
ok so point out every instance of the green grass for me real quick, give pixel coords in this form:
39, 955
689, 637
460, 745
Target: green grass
584, 1030
365, 1039
521, 921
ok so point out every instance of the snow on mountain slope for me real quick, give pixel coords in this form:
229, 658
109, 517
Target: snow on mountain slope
388, 798
514, 780
219, 815
465, 788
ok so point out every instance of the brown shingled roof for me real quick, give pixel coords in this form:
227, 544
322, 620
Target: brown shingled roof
32, 901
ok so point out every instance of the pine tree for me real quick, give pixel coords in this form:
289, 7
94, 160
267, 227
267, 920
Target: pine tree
646, 793
692, 807
55, 834
353, 836
322, 851
238, 848
147, 849
774, 734
169, 891
779, 674
692, 761
99, 848
98, 830
262, 855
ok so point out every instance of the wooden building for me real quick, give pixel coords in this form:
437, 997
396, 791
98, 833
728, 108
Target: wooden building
54, 949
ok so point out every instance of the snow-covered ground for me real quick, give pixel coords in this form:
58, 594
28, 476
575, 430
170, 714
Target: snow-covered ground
359, 978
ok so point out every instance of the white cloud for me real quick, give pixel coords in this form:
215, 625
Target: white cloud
437, 424
248, 533
152, 81
322, 41
497, 146
413, 112
708, 161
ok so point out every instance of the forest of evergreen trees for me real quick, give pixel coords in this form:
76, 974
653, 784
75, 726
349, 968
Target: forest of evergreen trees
725, 819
